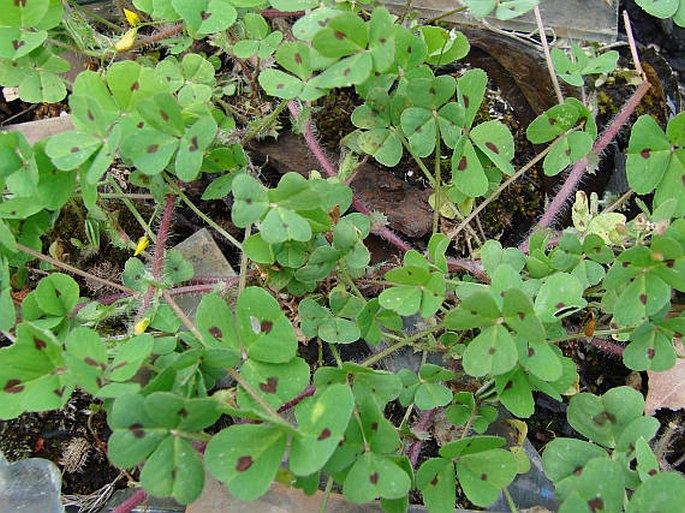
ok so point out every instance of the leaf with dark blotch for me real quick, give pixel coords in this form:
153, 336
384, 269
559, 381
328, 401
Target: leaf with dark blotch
245, 458
322, 421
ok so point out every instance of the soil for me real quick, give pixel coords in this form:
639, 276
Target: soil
74, 436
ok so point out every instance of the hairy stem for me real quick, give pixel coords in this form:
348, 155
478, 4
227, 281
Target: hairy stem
74, 270
574, 177
314, 146
419, 428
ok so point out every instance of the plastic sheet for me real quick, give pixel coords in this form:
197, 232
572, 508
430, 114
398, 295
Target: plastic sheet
30, 486
592, 20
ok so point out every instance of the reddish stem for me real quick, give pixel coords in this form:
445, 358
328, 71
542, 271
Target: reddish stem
607, 346
571, 183
158, 257
420, 427
273, 13
130, 503
330, 170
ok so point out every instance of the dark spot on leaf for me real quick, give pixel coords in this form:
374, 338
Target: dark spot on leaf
568, 152
280, 86
99, 382
215, 332
462, 164
339, 35
58, 293
432, 91
324, 434
90, 115
135, 86
595, 504
625, 264
322, 23
645, 153
466, 101
119, 365
559, 305
382, 40
508, 385
248, 201
522, 315
602, 418
651, 472
670, 263
59, 392
137, 430
577, 471
643, 299
13, 386
205, 15
244, 462
552, 121
91, 362
17, 44
531, 352
265, 326
182, 413
374, 426
650, 353
409, 49
376, 74
152, 148
75, 149
194, 146
346, 72
298, 58
270, 386
164, 115
140, 124
434, 481
492, 350
483, 477
492, 147
40, 344
373, 478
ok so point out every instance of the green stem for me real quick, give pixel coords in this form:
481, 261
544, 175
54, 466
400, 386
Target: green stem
430, 21
326, 495
265, 123
134, 211
89, 14
419, 162
510, 500
391, 349
438, 178
177, 190
598, 333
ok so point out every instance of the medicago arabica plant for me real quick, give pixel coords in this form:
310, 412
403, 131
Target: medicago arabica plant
489, 329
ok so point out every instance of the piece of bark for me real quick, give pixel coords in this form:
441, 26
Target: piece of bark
405, 206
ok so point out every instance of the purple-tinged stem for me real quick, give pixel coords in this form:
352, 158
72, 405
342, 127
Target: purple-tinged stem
330, 170
607, 346
578, 169
130, 503
158, 257
420, 427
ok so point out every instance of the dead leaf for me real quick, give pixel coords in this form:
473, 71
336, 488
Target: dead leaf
667, 389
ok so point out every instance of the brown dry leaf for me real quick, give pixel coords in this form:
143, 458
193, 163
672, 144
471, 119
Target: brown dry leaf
667, 389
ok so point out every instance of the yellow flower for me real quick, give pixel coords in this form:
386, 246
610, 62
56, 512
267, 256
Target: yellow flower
127, 40
132, 17
143, 243
141, 326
